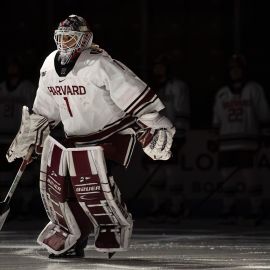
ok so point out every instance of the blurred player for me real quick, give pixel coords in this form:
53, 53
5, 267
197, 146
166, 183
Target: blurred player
15, 91
103, 107
240, 113
167, 189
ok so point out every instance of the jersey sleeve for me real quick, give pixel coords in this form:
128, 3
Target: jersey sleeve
128, 91
181, 101
44, 104
216, 121
261, 105
181, 106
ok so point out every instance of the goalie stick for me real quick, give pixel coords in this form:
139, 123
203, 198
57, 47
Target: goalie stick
4, 205
146, 181
202, 202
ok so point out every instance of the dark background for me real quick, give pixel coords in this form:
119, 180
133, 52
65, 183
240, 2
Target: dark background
198, 35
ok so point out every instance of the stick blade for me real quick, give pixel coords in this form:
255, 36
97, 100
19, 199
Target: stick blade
4, 211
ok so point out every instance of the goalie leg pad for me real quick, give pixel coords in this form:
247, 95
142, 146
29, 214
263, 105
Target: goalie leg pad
100, 198
84, 223
62, 232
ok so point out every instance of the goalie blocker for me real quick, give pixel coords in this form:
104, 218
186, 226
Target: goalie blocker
92, 201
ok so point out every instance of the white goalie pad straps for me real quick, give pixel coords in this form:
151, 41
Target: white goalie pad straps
62, 232
163, 130
127, 227
34, 129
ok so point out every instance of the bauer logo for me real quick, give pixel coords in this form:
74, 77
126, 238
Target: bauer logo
53, 185
88, 189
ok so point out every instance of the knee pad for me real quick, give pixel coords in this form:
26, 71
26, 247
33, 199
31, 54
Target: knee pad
100, 198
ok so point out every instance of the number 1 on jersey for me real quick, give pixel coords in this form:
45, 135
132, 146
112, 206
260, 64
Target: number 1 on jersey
68, 106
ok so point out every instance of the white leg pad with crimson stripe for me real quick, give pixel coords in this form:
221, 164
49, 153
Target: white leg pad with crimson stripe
62, 232
100, 198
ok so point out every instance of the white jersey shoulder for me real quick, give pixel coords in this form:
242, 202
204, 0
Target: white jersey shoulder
48, 63
250, 87
224, 91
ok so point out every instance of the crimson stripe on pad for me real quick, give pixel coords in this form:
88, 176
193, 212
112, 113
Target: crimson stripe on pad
56, 154
81, 163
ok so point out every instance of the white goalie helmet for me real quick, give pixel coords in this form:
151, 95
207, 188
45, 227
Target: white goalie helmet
72, 37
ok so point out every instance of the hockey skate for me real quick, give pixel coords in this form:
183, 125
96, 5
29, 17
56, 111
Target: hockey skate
110, 254
71, 253
76, 251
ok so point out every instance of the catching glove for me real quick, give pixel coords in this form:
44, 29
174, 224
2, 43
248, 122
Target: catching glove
33, 131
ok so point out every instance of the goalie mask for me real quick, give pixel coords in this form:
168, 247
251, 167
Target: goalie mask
72, 37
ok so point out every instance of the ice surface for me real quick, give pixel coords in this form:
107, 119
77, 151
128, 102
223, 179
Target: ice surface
183, 249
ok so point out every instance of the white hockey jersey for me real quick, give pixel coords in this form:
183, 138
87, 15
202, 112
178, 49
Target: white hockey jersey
96, 95
240, 117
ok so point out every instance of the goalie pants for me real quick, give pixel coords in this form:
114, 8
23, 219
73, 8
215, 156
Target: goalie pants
79, 196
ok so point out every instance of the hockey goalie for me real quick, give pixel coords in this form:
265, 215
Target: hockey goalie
104, 108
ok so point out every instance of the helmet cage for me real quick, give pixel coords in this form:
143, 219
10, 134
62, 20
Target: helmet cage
71, 43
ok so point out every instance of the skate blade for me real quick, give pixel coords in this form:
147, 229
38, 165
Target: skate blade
110, 254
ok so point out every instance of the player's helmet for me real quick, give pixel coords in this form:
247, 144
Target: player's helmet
72, 37
239, 60
238, 68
